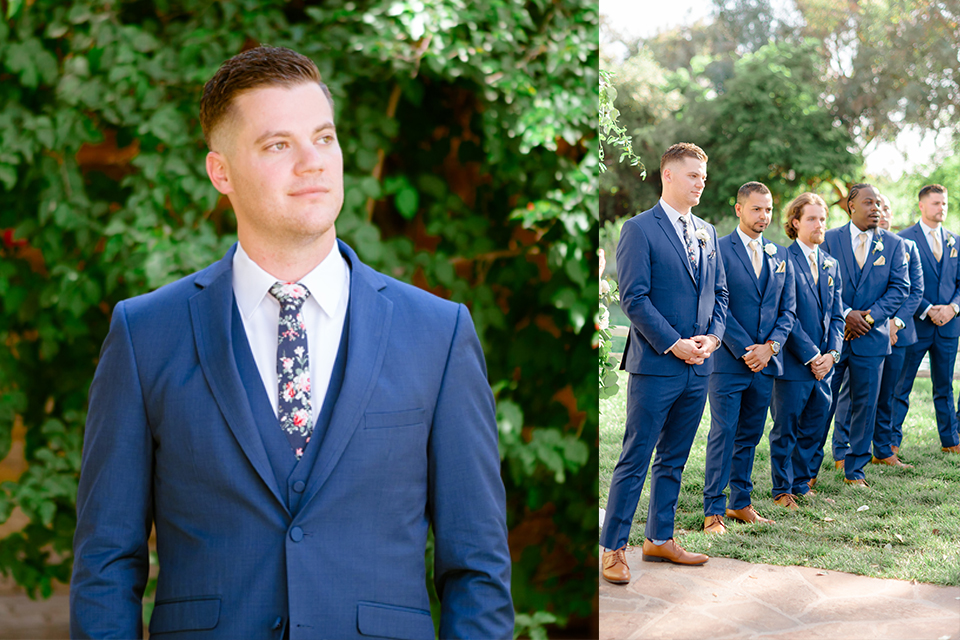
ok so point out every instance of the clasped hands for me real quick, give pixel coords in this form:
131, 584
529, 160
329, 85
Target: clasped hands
821, 365
941, 314
696, 349
856, 324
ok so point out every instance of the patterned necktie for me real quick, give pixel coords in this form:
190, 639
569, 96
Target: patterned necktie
294, 408
861, 253
691, 245
755, 250
937, 248
812, 259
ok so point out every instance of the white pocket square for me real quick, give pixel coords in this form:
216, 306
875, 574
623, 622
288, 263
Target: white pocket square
782, 267
953, 252
880, 262
829, 281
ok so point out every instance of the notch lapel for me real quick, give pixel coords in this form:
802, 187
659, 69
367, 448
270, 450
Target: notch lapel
370, 317
803, 267
211, 313
823, 281
846, 254
743, 252
871, 255
925, 253
674, 239
944, 252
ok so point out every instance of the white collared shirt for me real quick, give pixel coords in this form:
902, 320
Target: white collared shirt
855, 234
815, 250
674, 217
746, 240
323, 313
926, 235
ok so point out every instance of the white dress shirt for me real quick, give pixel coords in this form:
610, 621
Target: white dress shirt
746, 240
323, 314
854, 238
675, 217
943, 249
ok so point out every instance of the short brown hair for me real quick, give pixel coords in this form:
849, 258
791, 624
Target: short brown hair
932, 188
795, 210
682, 150
751, 187
252, 69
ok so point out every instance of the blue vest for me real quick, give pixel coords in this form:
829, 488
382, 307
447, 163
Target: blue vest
290, 473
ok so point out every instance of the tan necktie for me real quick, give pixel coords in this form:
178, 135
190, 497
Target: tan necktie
861, 252
755, 248
811, 257
937, 249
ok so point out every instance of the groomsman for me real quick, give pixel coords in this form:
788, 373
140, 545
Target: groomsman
673, 290
875, 285
760, 315
886, 438
936, 320
801, 394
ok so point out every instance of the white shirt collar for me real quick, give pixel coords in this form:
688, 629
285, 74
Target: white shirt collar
927, 230
807, 250
747, 239
855, 232
675, 215
251, 284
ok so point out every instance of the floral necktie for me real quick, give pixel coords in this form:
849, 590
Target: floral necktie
294, 408
691, 245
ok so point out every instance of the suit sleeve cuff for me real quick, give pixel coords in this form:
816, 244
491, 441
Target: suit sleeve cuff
672, 346
807, 363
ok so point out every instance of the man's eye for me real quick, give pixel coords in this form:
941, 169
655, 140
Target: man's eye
326, 139
278, 146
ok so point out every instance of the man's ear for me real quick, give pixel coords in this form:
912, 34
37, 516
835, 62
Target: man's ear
219, 175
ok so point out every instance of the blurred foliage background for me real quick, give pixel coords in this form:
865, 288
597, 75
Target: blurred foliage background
469, 139
794, 94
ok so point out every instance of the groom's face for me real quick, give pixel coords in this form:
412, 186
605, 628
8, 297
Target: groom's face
685, 180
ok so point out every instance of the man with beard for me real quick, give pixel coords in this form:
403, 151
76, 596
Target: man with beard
938, 328
760, 315
875, 285
801, 394
673, 290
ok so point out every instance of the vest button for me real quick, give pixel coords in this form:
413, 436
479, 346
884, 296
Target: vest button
296, 534
298, 486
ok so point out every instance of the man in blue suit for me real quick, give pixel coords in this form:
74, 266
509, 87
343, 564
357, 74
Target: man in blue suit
760, 314
937, 325
886, 438
291, 421
875, 284
801, 393
673, 290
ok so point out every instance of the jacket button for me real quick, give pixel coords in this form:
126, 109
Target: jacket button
298, 486
278, 624
296, 534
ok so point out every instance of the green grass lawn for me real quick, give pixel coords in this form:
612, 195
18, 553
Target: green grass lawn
910, 530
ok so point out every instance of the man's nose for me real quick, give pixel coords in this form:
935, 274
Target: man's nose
310, 159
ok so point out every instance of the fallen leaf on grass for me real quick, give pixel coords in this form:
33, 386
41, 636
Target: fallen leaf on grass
822, 573
830, 500
899, 537
828, 519
888, 547
863, 508
936, 532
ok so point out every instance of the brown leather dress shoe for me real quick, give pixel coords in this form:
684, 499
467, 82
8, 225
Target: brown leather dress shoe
811, 483
787, 501
895, 449
670, 551
714, 524
615, 569
838, 464
955, 449
747, 515
892, 461
859, 482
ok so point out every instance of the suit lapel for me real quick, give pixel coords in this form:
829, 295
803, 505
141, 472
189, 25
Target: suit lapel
211, 312
926, 255
944, 253
846, 254
803, 267
823, 284
674, 239
743, 252
370, 318
871, 256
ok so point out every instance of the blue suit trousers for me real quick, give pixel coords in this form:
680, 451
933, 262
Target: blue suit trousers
943, 356
662, 412
864, 374
738, 411
800, 411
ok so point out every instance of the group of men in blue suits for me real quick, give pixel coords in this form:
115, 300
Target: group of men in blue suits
754, 325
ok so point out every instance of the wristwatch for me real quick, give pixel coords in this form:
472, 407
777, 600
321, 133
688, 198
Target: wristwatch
835, 354
775, 346
899, 323
956, 308
869, 319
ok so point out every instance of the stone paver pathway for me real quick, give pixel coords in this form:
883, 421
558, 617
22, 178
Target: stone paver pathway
733, 599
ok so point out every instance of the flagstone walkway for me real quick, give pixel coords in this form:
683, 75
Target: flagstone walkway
733, 599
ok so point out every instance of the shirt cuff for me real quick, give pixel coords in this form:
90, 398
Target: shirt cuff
845, 312
672, 346
807, 363
923, 316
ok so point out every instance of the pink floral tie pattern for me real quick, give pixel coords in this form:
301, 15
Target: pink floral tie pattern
294, 408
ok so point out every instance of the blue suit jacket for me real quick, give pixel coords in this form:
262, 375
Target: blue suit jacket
171, 440
759, 309
908, 335
660, 296
881, 288
941, 281
819, 325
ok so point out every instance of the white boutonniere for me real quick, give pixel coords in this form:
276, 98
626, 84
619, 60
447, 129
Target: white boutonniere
951, 241
828, 264
770, 249
877, 245
702, 236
